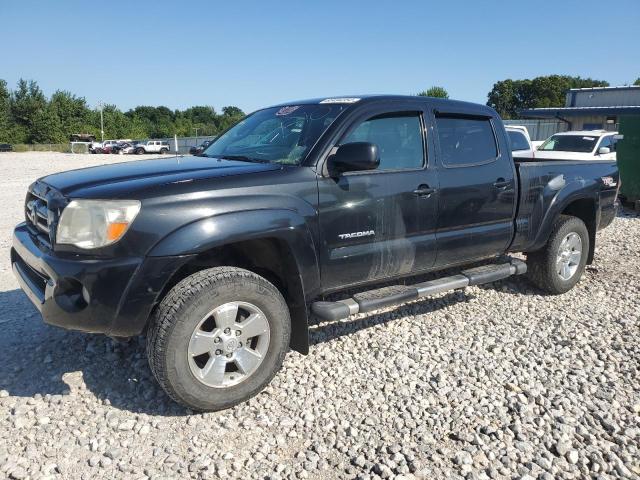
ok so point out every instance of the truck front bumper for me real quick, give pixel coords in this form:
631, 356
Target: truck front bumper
113, 296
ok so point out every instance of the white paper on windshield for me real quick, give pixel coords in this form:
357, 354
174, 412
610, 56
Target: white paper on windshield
588, 138
340, 100
287, 110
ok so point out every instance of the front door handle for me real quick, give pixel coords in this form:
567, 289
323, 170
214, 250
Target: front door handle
424, 191
501, 183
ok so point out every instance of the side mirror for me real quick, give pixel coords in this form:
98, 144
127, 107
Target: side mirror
354, 157
604, 150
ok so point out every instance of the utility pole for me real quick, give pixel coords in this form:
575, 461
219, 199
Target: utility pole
101, 105
196, 135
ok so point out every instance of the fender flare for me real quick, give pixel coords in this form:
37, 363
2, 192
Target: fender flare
280, 224
570, 193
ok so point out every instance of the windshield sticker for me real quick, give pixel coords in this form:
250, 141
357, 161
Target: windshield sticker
340, 100
588, 138
287, 110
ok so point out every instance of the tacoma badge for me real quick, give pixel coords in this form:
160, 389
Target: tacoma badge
366, 233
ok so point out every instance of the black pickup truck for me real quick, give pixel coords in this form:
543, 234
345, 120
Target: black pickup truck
221, 258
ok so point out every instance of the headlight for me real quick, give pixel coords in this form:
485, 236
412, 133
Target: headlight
95, 223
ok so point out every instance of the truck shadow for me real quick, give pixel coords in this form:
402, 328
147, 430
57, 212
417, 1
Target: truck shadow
37, 360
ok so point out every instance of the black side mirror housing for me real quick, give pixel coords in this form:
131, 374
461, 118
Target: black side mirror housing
354, 157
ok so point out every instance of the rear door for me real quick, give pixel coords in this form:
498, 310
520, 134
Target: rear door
381, 223
477, 188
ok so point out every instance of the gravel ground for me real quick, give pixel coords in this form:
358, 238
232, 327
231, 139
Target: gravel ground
496, 381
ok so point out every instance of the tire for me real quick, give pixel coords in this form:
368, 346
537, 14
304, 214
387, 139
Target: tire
186, 312
163, 151
545, 268
139, 151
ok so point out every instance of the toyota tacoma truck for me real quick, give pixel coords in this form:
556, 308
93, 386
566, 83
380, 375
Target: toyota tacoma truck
222, 258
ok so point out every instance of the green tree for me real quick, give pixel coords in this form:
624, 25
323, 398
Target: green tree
116, 123
26, 116
230, 115
435, 91
637, 82
200, 114
28, 110
71, 115
5, 113
158, 121
509, 96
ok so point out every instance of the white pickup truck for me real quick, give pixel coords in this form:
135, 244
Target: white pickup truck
579, 145
520, 141
152, 146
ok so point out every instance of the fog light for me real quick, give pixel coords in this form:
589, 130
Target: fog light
70, 295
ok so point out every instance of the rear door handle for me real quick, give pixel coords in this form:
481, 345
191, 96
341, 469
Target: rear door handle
501, 183
424, 191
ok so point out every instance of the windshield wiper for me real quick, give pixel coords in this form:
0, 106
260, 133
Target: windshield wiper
241, 158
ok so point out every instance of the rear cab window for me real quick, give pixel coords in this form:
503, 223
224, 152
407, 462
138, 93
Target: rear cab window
466, 141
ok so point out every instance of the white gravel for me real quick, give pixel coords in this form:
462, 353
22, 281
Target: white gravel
497, 381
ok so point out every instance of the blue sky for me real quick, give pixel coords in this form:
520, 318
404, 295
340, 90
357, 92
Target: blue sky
253, 54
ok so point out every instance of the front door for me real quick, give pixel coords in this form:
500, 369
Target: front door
381, 223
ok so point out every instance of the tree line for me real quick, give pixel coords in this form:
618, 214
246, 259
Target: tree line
28, 116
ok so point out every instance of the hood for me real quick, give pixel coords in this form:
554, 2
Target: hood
119, 179
551, 155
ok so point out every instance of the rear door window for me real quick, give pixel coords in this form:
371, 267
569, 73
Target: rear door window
466, 140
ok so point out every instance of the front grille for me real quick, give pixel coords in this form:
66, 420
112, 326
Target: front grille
37, 212
42, 209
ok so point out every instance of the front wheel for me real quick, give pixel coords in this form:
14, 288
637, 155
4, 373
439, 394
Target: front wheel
218, 338
560, 264
139, 151
163, 150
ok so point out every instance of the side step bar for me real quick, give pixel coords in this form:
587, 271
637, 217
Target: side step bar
397, 294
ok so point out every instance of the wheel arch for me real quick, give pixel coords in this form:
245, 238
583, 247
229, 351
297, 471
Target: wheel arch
586, 210
578, 205
275, 244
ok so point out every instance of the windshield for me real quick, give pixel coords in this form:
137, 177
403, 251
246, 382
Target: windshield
569, 143
276, 135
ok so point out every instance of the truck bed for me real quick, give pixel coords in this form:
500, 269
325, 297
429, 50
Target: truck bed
546, 185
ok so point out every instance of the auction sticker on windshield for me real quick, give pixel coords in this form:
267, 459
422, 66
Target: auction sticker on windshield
287, 110
340, 100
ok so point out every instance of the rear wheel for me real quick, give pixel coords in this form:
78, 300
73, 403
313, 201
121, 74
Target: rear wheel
560, 264
218, 338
